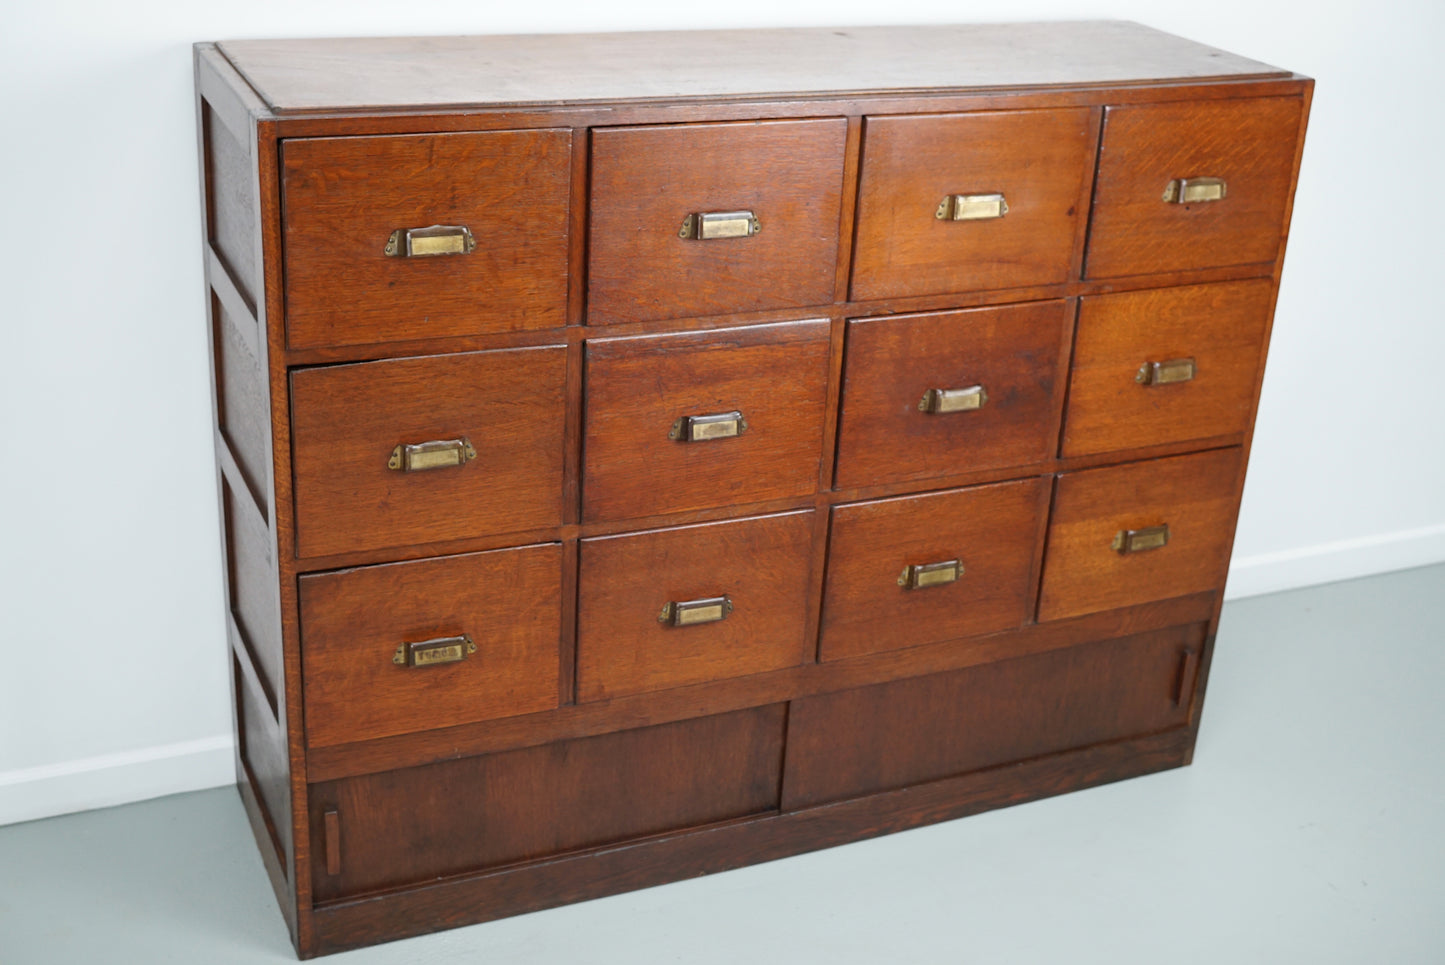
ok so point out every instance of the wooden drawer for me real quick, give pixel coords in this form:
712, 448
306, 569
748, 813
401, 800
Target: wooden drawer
647, 180
895, 426
1147, 148
910, 243
902, 733
346, 196
398, 827
356, 624
348, 420
873, 599
639, 388
1165, 365
630, 640
1085, 568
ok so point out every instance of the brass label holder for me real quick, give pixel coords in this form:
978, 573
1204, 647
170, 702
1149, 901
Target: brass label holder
686, 613
1128, 541
1195, 190
939, 401
971, 207
703, 428
713, 225
437, 239
1170, 372
922, 575
439, 454
431, 653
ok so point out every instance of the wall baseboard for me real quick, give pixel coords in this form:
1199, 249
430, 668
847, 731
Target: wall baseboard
96, 782
1345, 559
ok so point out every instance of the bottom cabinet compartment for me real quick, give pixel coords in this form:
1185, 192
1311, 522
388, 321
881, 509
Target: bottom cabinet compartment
402, 827
892, 735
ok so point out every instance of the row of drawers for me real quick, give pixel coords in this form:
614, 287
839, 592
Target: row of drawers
412, 646
468, 233
410, 451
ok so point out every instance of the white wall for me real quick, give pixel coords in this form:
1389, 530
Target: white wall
112, 667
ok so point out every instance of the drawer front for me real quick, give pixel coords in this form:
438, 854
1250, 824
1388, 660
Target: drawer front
926, 221
1141, 225
673, 607
1108, 546
402, 827
897, 734
351, 425
924, 569
1165, 365
783, 180
951, 392
429, 644
347, 283
647, 449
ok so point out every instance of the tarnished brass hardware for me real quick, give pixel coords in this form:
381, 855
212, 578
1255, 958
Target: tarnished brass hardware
1139, 540
1193, 190
440, 454
429, 653
711, 225
700, 428
438, 239
686, 613
1166, 373
971, 207
922, 575
953, 400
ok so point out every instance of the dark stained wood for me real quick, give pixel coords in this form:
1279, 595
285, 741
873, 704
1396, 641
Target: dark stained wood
250, 572
991, 530
1220, 326
1195, 496
261, 746
876, 738
1249, 143
241, 405
1015, 352
345, 196
348, 419
507, 602
231, 202
762, 565
776, 375
1039, 160
647, 180
411, 826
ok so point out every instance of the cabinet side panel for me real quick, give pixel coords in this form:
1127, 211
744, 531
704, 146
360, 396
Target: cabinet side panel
231, 203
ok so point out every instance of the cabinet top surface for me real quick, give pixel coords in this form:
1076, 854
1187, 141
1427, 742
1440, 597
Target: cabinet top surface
551, 69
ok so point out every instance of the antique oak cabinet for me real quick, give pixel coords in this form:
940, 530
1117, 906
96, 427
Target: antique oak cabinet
642, 455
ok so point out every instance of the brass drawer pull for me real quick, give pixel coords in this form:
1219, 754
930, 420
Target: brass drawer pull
1193, 190
687, 613
430, 653
1139, 540
701, 428
438, 239
971, 207
440, 454
938, 401
711, 225
923, 575
1166, 373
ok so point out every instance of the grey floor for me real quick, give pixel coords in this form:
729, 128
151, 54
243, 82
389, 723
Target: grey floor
1309, 829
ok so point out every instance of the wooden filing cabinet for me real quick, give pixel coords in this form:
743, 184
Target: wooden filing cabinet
644, 455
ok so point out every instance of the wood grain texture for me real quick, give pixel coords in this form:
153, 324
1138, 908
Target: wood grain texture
776, 375
991, 530
876, 738
763, 565
1015, 352
242, 412
508, 602
1039, 160
647, 180
1196, 496
345, 196
412, 826
1220, 326
348, 418
1250, 143
250, 579
230, 202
